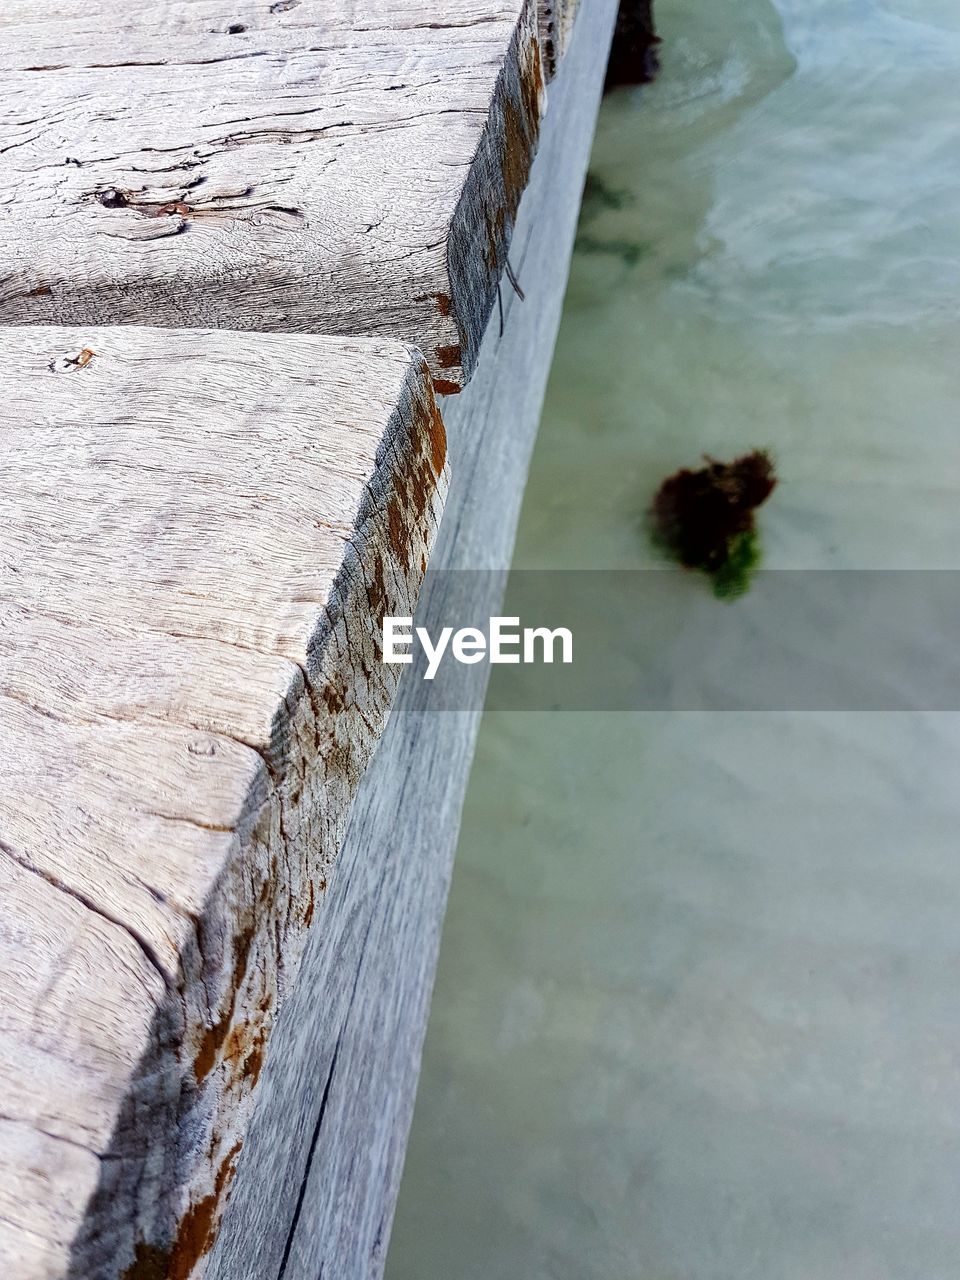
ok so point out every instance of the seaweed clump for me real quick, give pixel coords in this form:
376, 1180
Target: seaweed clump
705, 519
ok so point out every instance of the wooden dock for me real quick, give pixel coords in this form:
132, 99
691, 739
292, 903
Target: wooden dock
243, 249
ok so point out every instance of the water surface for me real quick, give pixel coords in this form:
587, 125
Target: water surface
698, 1006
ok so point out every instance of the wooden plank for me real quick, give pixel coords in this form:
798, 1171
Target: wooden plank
272, 165
318, 1178
199, 534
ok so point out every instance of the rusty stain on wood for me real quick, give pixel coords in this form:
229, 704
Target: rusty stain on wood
198, 1226
448, 357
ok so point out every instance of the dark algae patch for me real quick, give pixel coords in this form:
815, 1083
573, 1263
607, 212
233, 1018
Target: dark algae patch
599, 195
705, 519
627, 251
598, 199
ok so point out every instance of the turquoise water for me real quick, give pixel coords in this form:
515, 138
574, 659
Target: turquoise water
698, 1006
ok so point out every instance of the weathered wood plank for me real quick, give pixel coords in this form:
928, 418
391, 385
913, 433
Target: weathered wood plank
301, 165
556, 19
199, 533
318, 1178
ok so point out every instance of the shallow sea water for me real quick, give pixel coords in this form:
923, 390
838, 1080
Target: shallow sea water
697, 1013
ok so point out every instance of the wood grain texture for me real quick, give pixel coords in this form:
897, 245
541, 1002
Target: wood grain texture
318, 1178
199, 534
273, 165
556, 19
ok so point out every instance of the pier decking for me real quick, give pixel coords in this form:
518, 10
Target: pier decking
242, 253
